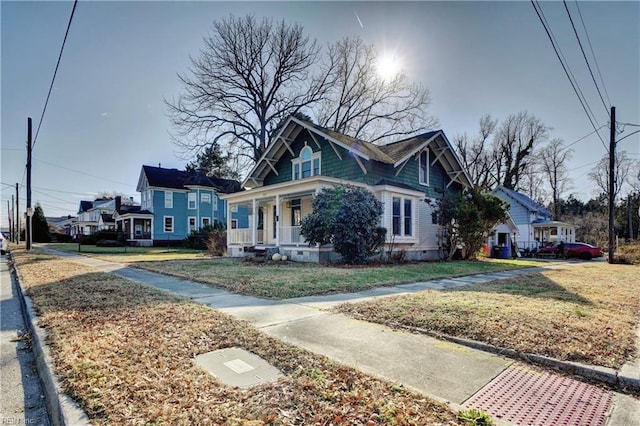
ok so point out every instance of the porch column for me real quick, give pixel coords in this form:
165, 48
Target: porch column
254, 220
277, 221
131, 228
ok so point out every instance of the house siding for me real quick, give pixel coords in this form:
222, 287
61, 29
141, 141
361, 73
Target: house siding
347, 168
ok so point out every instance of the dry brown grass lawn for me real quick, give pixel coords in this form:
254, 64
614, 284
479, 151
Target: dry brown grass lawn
585, 313
125, 353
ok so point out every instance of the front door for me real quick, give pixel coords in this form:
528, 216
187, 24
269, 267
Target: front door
296, 220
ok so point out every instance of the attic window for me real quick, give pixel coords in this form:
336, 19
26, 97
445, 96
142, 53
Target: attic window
307, 164
423, 170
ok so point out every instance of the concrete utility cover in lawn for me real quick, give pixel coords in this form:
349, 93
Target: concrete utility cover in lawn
237, 367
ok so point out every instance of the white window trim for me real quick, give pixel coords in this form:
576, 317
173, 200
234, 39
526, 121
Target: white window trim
402, 236
168, 199
298, 161
195, 223
192, 197
420, 180
164, 224
202, 219
203, 196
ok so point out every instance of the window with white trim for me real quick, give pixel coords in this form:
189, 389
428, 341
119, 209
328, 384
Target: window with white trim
191, 200
192, 224
206, 221
307, 164
168, 224
423, 169
402, 217
168, 199
205, 198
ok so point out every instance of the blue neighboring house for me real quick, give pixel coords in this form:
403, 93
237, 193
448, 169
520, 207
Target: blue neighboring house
534, 224
303, 157
173, 203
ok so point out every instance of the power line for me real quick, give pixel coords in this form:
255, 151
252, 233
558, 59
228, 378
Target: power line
564, 61
595, 60
584, 137
82, 173
54, 197
585, 56
567, 73
55, 72
630, 134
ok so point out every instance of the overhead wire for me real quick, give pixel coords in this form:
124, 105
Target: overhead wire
564, 61
82, 173
595, 59
584, 137
55, 72
556, 49
585, 57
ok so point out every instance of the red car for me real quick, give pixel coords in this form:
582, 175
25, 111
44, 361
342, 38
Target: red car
582, 251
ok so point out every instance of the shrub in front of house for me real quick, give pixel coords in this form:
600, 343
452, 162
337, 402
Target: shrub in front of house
92, 240
61, 238
347, 217
201, 239
109, 243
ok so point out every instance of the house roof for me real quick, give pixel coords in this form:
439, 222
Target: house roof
179, 179
524, 200
85, 205
107, 218
395, 153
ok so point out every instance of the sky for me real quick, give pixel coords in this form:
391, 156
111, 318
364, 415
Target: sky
106, 116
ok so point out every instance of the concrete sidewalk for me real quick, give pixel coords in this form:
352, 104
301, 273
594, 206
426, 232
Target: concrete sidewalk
21, 394
442, 370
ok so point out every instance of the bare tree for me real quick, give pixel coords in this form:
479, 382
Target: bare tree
553, 160
600, 173
514, 147
532, 182
476, 153
249, 75
363, 104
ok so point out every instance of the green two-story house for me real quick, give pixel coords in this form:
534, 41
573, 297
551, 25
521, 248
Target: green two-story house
302, 158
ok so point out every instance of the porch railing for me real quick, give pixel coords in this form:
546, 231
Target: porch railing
288, 235
291, 235
239, 236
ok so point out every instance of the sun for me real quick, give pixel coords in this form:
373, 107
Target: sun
388, 66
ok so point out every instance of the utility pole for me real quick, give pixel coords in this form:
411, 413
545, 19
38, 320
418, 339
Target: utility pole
29, 209
612, 163
9, 217
17, 215
629, 218
13, 219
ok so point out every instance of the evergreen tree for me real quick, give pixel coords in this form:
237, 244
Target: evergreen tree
40, 227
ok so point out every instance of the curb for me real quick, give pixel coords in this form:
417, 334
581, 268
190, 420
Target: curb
62, 409
621, 379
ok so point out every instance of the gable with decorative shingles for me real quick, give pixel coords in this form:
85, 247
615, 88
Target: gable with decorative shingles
352, 159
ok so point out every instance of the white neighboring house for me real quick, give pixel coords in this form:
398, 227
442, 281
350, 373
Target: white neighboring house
97, 215
534, 222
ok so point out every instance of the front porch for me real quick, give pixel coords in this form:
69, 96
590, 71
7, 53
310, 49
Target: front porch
552, 232
270, 220
137, 229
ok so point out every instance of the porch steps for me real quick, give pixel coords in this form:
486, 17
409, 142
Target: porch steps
262, 251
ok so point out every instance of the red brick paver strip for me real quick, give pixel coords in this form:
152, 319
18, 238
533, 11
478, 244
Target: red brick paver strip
521, 396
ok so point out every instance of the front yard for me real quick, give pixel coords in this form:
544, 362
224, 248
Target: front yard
125, 353
585, 313
287, 280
